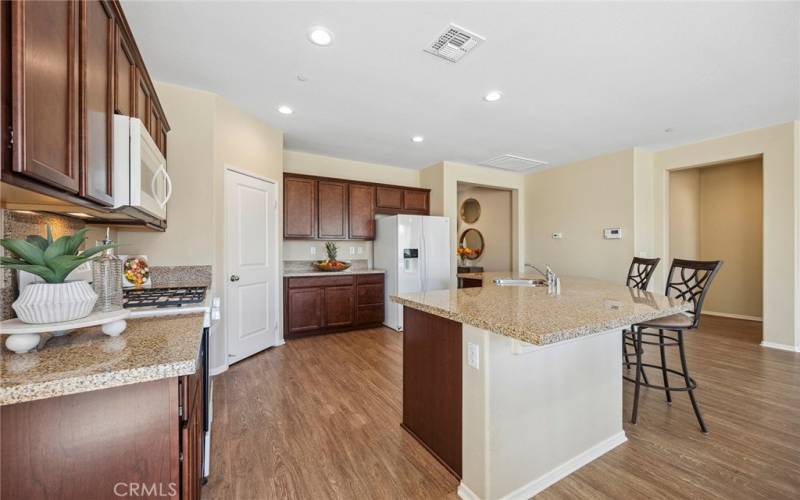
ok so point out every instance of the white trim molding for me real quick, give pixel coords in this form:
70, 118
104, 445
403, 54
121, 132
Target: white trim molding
734, 316
781, 347
465, 493
545, 481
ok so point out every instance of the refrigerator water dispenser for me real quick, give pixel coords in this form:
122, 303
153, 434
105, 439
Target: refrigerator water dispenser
410, 260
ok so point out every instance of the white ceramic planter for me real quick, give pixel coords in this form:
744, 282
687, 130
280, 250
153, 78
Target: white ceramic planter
55, 302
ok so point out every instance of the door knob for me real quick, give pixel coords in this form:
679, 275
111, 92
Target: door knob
234, 277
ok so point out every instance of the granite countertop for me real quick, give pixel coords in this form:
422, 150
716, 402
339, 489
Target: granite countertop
532, 315
300, 274
87, 360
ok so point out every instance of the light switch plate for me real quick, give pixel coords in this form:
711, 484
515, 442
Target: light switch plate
352, 250
312, 250
473, 355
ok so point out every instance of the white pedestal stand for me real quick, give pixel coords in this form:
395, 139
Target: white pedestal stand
24, 337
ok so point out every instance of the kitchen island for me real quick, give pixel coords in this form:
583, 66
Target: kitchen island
512, 388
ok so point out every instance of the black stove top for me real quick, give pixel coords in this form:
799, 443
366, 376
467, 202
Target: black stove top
163, 297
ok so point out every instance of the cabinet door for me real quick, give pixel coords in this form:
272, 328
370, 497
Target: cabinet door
142, 100
389, 197
332, 209
163, 139
299, 207
361, 212
192, 450
45, 95
415, 200
304, 309
124, 75
339, 306
97, 113
155, 125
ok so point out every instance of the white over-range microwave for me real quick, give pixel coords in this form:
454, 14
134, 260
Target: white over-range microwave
140, 173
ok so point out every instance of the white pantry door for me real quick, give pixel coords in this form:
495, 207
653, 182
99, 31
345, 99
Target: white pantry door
251, 265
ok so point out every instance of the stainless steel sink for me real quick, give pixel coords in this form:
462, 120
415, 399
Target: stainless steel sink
519, 282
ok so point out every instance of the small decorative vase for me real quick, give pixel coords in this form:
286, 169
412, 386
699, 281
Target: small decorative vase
54, 302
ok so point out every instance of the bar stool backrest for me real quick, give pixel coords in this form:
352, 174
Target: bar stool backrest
690, 280
640, 272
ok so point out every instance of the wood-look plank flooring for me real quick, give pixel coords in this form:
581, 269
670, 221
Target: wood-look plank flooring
319, 418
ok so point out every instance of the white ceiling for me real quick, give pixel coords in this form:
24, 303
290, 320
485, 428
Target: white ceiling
579, 79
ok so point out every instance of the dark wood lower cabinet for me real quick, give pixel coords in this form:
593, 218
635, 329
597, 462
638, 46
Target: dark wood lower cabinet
136, 441
432, 393
326, 304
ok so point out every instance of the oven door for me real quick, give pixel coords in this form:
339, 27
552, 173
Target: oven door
151, 186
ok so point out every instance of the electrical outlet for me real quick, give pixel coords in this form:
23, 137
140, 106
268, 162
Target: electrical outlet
312, 250
360, 250
473, 355
352, 250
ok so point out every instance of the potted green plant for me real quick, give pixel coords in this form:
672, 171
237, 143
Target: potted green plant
56, 299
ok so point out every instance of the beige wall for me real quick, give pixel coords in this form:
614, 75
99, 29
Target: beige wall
208, 134
189, 239
715, 213
327, 166
684, 215
731, 230
494, 223
443, 179
781, 189
580, 200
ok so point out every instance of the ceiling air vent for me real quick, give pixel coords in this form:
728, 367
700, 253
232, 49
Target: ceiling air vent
454, 43
514, 163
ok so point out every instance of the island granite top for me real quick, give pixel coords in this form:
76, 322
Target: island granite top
86, 359
532, 314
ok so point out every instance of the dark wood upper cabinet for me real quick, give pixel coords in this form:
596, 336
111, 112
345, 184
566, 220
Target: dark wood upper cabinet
45, 94
361, 211
142, 100
415, 200
332, 209
124, 75
299, 207
97, 113
388, 197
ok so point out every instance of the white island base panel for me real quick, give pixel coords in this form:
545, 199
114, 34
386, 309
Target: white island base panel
534, 414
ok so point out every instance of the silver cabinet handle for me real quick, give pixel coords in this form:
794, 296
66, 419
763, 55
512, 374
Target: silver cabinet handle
234, 277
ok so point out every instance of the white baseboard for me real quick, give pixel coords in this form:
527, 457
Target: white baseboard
782, 347
540, 484
465, 493
734, 316
217, 370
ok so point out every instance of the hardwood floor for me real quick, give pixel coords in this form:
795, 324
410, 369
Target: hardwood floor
319, 418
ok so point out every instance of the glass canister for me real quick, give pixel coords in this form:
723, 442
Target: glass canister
107, 279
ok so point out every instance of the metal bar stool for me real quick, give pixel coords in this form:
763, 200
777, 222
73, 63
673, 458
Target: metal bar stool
688, 280
639, 275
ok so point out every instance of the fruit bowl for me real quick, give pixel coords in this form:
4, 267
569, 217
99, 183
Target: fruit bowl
331, 265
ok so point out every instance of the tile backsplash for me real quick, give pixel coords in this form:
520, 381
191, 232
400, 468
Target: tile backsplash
19, 224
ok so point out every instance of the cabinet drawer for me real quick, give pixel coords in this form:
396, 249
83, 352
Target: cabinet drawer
370, 278
320, 281
369, 314
370, 294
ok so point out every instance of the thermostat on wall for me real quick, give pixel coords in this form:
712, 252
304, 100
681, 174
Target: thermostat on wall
612, 233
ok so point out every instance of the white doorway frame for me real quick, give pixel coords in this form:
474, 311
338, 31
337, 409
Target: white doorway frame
665, 233
275, 258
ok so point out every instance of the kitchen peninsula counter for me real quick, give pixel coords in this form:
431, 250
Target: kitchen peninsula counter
511, 387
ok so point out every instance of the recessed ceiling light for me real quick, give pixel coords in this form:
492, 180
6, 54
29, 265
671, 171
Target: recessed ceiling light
417, 138
285, 110
492, 96
320, 36
79, 214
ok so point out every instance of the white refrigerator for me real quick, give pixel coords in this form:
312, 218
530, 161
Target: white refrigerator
415, 252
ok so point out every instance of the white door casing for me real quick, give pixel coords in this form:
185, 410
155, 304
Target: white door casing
251, 265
